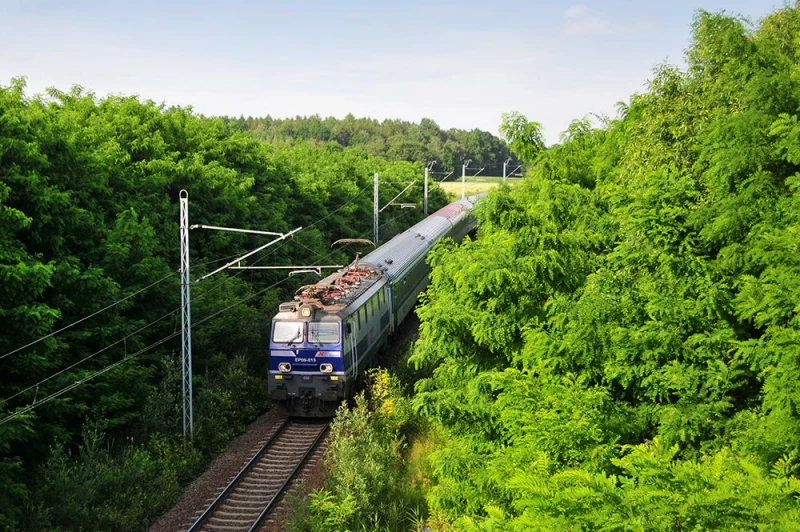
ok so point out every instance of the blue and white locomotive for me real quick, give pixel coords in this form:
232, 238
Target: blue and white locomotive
323, 341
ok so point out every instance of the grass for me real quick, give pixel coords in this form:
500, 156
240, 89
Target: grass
474, 185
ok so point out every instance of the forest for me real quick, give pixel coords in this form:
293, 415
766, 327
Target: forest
619, 348
396, 140
90, 387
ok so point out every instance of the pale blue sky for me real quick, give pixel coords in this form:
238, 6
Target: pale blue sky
459, 63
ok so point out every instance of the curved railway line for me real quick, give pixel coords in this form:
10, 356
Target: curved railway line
253, 493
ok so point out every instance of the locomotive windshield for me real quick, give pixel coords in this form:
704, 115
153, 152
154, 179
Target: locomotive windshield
323, 332
287, 331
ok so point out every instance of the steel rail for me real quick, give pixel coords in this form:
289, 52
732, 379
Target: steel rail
232, 484
286, 483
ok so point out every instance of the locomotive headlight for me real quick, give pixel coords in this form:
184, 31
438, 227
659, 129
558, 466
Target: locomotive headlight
284, 367
306, 312
326, 368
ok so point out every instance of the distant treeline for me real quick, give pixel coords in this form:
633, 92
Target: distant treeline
395, 140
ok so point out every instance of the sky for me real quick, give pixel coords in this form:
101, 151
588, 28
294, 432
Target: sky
461, 63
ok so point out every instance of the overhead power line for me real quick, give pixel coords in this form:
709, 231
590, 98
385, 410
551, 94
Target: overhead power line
84, 380
163, 340
108, 368
17, 350
340, 207
112, 305
88, 357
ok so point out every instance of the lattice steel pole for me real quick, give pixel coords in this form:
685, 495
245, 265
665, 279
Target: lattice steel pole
375, 209
425, 194
464, 178
186, 319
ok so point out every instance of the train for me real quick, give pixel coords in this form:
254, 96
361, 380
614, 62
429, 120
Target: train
323, 340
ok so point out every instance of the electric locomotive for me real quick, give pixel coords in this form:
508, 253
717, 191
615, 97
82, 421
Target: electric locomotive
323, 340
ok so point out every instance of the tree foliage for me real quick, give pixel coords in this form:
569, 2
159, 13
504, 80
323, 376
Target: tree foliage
618, 349
89, 228
523, 137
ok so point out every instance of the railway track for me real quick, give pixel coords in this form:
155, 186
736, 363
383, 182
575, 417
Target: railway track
248, 499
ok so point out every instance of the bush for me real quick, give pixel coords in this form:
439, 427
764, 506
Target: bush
100, 488
367, 488
226, 403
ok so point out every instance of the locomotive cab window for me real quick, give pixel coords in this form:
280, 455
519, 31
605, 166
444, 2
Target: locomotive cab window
323, 332
287, 331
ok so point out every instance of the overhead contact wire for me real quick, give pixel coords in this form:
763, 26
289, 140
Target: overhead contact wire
87, 317
88, 357
155, 344
213, 288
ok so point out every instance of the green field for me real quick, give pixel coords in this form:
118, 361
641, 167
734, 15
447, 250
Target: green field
475, 185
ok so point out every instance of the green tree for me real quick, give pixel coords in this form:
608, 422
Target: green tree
618, 348
524, 137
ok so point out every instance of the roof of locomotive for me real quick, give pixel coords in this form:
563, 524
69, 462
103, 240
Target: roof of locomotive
341, 288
